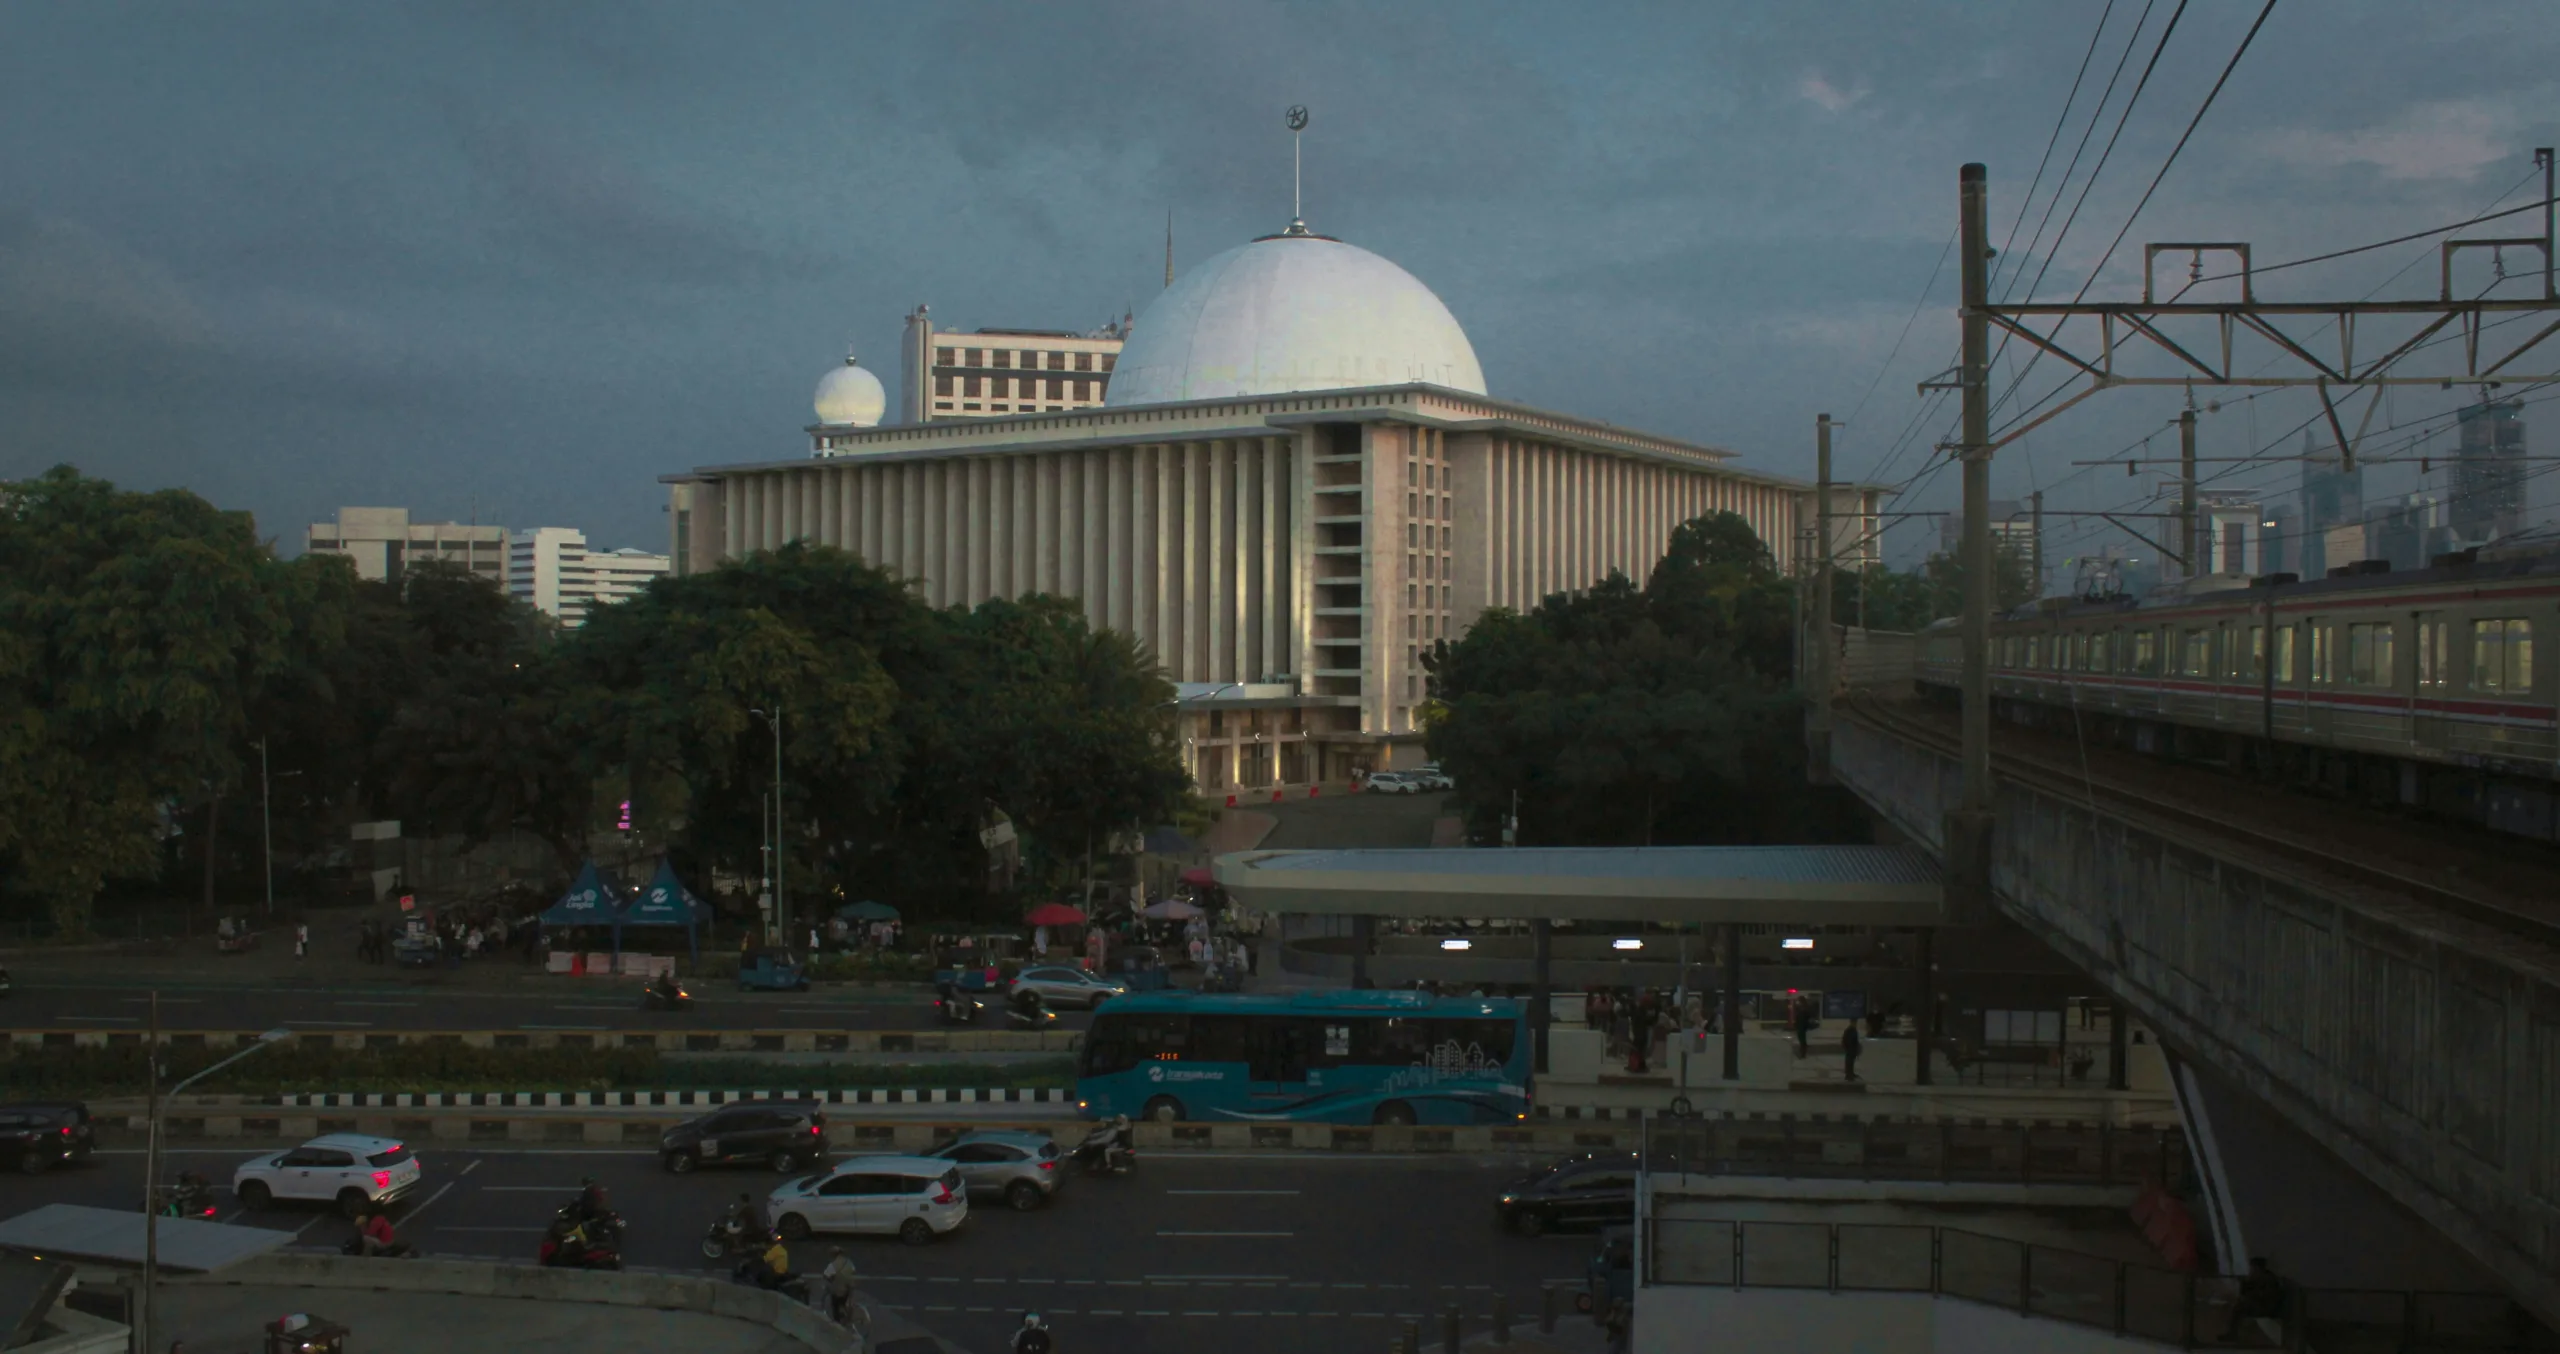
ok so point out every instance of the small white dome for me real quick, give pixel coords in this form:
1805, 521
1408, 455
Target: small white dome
850, 395
1291, 312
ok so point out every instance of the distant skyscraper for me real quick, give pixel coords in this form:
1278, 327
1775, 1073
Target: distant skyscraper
383, 542
2331, 497
2488, 473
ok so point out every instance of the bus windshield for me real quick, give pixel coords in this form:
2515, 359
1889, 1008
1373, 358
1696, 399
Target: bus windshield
1340, 1057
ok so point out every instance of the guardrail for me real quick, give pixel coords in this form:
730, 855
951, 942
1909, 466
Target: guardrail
665, 1041
2142, 1301
2025, 1154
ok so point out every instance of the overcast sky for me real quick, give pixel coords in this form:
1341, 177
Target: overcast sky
517, 260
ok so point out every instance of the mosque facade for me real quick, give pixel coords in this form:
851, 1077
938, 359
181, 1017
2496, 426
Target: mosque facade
1295, 486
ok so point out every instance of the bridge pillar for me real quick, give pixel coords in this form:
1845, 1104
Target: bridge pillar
1364, 941
1540, 1013
1733, 1001
1924, 981
2117, 1073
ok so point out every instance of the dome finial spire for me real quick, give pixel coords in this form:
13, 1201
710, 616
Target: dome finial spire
1297, 165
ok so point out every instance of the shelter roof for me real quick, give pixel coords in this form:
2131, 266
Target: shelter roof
114, 1236
1808, 885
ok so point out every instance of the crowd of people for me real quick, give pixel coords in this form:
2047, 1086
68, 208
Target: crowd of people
484, 932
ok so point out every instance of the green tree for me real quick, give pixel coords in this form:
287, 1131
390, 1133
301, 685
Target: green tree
136, 632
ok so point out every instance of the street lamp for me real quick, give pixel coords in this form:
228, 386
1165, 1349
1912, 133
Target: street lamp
151, 1155
266, 830
781, 909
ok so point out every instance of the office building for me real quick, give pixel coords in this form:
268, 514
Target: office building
1294, 488
383, 543
995, 373
2488, 498
554, 571
2230, 534
2411, 532
2331, 497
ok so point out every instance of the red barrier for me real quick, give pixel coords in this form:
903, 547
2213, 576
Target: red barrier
1231, 801
1275, 796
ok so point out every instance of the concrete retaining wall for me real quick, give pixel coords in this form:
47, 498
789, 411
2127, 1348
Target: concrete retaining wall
664, 1041
471, 1278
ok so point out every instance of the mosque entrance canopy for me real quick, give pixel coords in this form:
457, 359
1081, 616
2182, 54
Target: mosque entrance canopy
1801, 885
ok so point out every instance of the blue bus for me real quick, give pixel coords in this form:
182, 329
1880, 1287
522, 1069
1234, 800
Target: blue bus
1345, 1057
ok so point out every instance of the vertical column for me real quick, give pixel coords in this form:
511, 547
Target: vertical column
1117, 583
1143, 514
1194, 625
2117, 1072
1540, 1017
1221, 569
911, 520
733, 536
1168, 557
1274, 456
955, 529
1239, 560
1044, 523
1026, 533
1924, 1018
1732, 998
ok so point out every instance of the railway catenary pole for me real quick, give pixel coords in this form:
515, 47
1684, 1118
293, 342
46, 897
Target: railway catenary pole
2192, 564
1824, 647
1968, 829
2035, 540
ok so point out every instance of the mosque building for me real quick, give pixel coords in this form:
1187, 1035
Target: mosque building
1294, 484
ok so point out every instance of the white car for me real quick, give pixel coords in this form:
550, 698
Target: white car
1059, 985
915, 1199
349, 1168
1432, 777
1393, 783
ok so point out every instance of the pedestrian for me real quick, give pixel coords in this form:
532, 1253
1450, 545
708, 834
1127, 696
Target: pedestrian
301, 939
838, 1275
1805, 1021
471, 943
1849, 1046
1033, 1338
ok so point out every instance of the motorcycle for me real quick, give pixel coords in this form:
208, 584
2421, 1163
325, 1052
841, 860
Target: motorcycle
185, 1199
594, 1243
397, 1250
1101, 1153
957, 1008
730, 1236
1031, 1015
656, 998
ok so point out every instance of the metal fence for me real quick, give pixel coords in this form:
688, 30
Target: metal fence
1872, 1150
2146, 1302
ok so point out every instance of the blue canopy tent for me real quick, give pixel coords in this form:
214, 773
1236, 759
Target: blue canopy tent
666, 902
590, 901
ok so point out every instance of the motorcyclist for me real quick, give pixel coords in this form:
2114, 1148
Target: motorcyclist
665, 989
839, 1279
190, 1195
1026, 1003
747, 1221
1034, 1337
769, 1270
374, 1236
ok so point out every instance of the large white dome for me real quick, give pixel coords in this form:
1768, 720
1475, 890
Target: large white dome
851, 395
1291, 312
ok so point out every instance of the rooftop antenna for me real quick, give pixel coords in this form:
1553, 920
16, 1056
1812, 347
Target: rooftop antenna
1297, 205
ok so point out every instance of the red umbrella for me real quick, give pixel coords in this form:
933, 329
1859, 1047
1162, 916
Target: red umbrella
1054, 914
1199, 874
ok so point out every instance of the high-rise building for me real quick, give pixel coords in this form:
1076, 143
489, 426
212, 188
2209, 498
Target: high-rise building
2488, 473
2013, 528
2331, 497
552, 570
2411, 532
993, 373
383, 542
2281, 550
2230, 534
1296, 487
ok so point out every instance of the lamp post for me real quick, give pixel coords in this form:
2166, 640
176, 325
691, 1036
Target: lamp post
266, 829
781, 909
151, 1155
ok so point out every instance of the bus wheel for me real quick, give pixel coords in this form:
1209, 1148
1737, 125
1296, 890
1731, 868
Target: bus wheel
1395, 1112
1164, 1109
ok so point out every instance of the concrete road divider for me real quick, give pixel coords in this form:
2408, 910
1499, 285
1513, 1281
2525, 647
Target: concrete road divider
664, 1041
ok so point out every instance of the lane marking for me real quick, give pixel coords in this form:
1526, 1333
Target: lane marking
389, 1005
339, 1024
1229, 1278
530, 1189
1247, 1192
475, 1165
98, 1020
566, 1027
430, 1203
489, 1229
1228, 1234
167, 1001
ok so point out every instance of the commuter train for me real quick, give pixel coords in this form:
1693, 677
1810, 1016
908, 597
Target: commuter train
2416, 688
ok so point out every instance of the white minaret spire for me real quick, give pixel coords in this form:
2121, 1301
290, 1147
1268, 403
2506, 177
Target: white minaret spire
1297, 206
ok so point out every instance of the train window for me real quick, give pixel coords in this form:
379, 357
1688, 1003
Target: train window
2254, 664
2195, 654
2284, 654
2369, 654
2434, 669
2502, 656
2324, 654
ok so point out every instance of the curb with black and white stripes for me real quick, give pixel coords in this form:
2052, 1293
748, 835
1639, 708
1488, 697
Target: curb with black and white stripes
937, 1095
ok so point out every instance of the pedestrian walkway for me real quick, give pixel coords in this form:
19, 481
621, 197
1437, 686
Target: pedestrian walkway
227, 1319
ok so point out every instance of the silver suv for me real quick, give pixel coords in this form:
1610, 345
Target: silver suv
1022, 1168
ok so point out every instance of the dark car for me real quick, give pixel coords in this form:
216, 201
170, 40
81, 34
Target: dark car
37, 1138
1595, 1189
784, 1134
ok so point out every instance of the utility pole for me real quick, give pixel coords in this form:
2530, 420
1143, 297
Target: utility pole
266, 828
1818, 725
2192, 564
2035, 542
1968, 829
150, 1176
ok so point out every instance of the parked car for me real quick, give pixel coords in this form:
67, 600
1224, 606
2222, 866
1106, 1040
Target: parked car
787, 1135
914, 1199
1393, 783
1021, 1168
38, 1137
1061, 986
415, 950
1591, 1190
1432, 777
354, 1170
